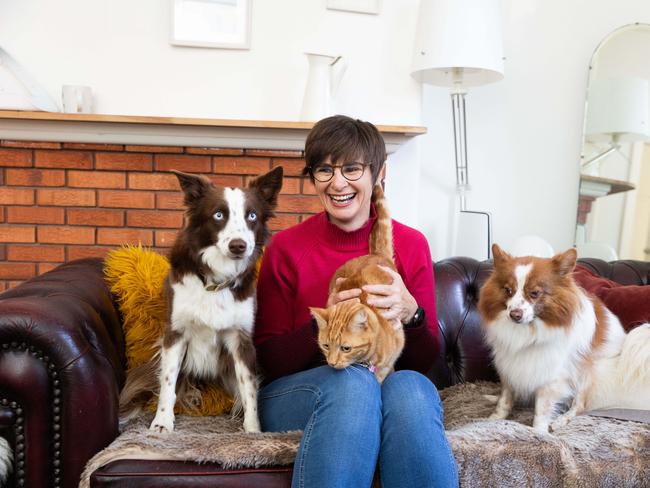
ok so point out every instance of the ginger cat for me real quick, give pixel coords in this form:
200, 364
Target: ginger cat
355, 332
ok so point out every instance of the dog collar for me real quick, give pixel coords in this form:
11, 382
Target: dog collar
220, 286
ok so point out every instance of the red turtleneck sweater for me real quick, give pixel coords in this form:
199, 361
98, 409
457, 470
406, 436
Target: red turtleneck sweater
295, 273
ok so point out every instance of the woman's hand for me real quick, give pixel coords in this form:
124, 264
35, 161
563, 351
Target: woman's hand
339, 296
395, 300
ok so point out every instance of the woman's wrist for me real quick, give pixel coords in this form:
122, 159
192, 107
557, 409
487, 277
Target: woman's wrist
412, 310
416, 320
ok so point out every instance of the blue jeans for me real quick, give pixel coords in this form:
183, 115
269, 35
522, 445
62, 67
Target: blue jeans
350, 421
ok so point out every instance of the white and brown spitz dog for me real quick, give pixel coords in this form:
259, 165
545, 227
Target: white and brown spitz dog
553, 342
211, 300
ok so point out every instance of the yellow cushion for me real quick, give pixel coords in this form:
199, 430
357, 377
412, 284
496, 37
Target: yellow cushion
136, 276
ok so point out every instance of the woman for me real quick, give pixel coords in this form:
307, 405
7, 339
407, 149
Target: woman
350, 421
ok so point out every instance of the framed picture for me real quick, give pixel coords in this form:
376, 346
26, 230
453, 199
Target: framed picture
212, 23
359, 6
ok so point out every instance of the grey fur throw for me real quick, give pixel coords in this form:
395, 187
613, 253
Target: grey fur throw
589, 452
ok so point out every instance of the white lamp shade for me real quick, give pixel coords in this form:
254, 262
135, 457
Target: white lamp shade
458, 42
618, 108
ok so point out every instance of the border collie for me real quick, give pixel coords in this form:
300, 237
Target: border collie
211, 300
551, 341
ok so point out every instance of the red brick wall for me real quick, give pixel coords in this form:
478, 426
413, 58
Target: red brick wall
63, 201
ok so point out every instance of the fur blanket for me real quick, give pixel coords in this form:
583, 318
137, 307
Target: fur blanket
6, 460
591, 451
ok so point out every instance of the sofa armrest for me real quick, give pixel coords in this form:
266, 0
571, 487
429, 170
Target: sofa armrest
61, 368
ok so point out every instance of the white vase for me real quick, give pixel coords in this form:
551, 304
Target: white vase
323, 79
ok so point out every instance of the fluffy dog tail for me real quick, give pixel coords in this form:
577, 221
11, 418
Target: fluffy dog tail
142, 383
6, 460
634, 367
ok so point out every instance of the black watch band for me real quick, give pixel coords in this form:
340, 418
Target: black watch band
416, 320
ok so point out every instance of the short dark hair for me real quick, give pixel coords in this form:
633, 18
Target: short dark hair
344, 139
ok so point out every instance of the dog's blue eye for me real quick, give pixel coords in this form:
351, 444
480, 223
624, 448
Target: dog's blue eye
252, 216
218, 216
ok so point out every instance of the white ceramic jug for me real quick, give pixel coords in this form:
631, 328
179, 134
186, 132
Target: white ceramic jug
325, 73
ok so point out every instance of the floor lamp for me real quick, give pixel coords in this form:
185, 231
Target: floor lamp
458, 45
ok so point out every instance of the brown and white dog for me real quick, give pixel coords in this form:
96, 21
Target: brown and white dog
551, 341
211, 291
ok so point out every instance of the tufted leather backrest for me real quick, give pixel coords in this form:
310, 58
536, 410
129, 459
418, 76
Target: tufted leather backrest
626, 271
463, 355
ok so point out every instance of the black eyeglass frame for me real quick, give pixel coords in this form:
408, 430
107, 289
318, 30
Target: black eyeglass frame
340, 166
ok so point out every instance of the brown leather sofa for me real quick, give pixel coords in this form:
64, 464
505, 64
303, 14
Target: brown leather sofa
62, 365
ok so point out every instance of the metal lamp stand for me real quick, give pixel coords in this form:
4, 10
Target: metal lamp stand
460, 152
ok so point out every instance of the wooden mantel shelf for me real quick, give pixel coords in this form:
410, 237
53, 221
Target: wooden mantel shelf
172, 131
597, 186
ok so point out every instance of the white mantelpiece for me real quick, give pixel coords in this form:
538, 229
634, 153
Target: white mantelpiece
172, 131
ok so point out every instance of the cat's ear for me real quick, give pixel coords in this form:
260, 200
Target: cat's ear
321, 316
360, 320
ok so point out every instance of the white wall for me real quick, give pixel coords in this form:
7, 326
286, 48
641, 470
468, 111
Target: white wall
524, 132
121, 48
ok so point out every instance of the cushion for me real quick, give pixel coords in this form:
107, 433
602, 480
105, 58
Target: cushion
630, 303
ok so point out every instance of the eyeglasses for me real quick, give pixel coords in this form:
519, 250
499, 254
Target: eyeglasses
350, 171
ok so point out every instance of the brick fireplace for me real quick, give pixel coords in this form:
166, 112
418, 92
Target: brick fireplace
79, 185
63, 201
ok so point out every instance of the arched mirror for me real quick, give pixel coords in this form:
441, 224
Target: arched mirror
614, 206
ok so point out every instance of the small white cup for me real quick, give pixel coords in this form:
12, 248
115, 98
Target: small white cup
77, 99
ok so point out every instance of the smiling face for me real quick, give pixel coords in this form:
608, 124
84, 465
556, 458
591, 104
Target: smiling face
337, 141
347, 203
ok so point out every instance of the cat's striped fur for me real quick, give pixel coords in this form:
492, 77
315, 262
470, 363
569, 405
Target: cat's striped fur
353, 331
